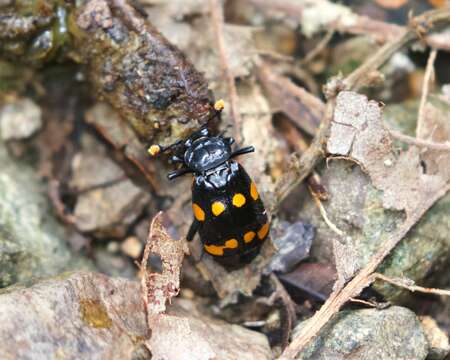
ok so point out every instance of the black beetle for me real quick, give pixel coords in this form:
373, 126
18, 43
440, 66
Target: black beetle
228, 212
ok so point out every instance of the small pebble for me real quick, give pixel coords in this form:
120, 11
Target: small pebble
132, 247
20, 119
187, 294
113, 247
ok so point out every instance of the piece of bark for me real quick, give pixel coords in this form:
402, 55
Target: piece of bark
134, 68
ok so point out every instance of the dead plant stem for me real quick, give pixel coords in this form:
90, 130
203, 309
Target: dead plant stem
216, 10
419, 142
427, 80
405, 283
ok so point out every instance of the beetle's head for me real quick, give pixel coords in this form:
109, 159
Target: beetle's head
200, 152
207, 152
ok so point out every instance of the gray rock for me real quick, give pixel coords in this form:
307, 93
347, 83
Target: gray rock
369, 205
20, 119
356, 207
91, 316
437, 339
109, 202
31, 241
79, 316
390, 334
293, 246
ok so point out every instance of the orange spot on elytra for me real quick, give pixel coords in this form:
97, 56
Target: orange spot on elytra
214, 250
249, 236
253, 192
217, 250
198, 212
238, 200
217, 208
262, 233
231, 244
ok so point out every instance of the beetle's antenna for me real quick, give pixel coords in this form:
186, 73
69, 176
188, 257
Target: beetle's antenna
242, 151
174, 174
156, 149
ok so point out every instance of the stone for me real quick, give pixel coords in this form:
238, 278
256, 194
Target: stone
370, 201
77, 316
85, 315
108, 202
31, 241
20, 119
132, 247
437, 339
390, 334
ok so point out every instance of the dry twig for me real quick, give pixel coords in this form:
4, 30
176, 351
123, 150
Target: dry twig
419, 142
324, 215
409, 284
381, 31
318, 48
427, 80
302, 107
217, 20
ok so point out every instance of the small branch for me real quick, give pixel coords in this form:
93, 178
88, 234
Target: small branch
323, 212
282, 295
419, 142
319, 48
427, 79
409, 284
381, 31
216, 10
301, 106
302, 164
364, 302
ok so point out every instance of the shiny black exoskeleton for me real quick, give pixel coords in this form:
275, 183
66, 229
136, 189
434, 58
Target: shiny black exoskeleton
228, 212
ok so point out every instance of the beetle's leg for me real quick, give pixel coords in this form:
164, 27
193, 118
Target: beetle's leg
242, 151
192, 230
175, 160
229, 140
174, 174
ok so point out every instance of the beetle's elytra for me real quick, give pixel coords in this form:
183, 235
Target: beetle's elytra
228, 212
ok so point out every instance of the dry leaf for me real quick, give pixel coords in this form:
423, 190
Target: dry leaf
357, 132
436, 128
186, 334
158, 288
196, 336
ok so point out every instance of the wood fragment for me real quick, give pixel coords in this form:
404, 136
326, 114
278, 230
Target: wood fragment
419, 142
427, 80
318, 48
216, 10
409, 284
324, 215
381, 31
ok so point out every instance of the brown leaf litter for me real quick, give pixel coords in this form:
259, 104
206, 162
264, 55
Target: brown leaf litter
185, 333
